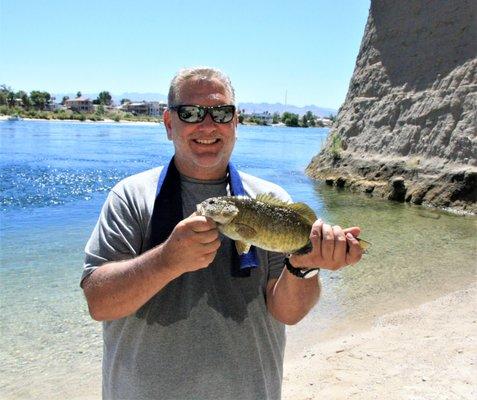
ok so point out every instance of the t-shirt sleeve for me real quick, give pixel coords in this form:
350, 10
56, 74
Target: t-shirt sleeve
116, 236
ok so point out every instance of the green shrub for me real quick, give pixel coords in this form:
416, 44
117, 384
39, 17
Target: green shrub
335, 146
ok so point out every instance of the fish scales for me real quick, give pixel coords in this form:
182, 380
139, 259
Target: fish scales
279, 228
264, 222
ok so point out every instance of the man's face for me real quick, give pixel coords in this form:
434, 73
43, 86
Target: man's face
202, 150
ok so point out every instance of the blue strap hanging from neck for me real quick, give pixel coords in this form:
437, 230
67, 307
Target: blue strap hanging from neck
247, 260
162, 176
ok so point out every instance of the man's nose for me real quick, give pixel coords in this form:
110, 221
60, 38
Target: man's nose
208, 122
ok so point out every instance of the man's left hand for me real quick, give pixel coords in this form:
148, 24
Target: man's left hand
333, 247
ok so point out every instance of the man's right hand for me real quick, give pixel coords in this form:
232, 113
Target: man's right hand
120, 288
192, 245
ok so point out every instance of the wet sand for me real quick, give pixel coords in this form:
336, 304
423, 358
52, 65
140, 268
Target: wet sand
425, 352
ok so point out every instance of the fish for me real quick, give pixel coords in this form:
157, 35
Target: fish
265, 222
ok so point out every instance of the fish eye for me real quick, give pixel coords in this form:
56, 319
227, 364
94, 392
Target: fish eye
211, 201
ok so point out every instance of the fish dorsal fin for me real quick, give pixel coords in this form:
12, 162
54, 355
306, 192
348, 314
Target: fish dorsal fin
300, 208
269, 198
305, 211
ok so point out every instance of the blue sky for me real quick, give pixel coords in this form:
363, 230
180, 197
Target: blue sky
305, 48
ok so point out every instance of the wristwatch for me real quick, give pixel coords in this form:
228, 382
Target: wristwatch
303, 273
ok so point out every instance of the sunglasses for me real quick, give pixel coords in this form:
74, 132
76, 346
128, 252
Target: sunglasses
195, 114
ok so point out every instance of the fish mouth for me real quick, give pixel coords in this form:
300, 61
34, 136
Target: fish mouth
200, 209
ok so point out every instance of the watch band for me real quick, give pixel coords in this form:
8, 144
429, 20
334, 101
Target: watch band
303, 273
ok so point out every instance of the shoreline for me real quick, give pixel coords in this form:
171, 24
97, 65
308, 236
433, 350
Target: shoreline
419, 180
105, 121
124, 121
422, 352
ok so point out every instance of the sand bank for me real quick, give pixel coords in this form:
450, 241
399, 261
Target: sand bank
426, 352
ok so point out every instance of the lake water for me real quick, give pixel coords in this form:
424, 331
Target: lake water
54, 177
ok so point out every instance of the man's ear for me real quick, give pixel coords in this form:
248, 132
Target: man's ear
168, 123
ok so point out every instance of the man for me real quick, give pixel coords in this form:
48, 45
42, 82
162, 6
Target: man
184, 318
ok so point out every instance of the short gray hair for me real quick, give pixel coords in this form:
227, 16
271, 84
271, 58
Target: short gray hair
197, 72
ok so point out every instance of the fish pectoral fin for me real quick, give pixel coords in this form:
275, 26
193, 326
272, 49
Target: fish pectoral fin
245, 231
242, 247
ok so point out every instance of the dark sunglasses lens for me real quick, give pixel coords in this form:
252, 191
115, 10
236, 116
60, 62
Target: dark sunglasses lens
222, 114
191, 114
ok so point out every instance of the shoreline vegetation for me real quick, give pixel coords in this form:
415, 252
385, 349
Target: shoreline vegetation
108, 116
285, 119
69, 115
41, 105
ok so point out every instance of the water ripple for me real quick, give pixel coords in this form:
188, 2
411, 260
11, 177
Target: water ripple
26, 186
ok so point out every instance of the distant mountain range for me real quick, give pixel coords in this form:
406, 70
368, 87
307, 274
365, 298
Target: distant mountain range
248, 107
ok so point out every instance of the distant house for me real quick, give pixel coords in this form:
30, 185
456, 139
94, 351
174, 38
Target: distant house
80, 104
265, 118
324, 122
52, 105
136, 108
156, 108
152, 108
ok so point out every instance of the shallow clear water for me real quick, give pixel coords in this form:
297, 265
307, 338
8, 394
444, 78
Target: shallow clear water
54, 177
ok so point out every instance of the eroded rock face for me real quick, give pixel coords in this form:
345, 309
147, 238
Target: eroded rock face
411, 107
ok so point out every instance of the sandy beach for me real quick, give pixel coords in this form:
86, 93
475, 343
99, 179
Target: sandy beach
426, 352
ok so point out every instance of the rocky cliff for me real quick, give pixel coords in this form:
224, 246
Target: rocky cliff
407, 130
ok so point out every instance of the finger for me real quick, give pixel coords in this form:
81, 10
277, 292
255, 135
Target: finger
354, 252
354, 230
206, 259
201, 224
339, 253
205, 237
327, 243
315, 237
212, 247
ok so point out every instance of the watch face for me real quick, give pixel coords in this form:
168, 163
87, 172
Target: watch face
309, 273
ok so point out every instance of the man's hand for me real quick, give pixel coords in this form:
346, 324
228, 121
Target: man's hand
192, 245
333, 248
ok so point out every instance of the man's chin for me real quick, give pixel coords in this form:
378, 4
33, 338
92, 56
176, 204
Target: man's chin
210, 163
208, 160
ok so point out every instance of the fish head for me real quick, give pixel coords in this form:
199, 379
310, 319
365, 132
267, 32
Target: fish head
221, 209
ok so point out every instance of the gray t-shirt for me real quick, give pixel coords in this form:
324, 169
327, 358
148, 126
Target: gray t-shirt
207, 334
